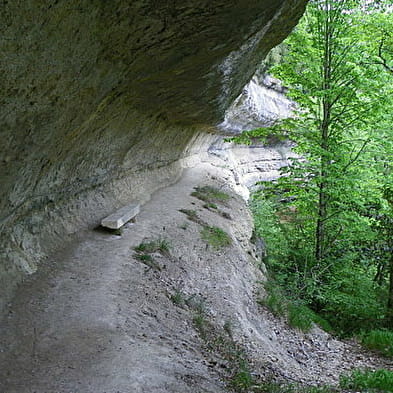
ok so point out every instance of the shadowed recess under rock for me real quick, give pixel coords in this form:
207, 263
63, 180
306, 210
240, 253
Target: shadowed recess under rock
100, 102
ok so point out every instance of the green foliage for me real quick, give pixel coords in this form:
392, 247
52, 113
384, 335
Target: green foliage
369, 381
210, 194
275, 300
210, 205
192, 215
271, 387
200, 324
328, 222
300, 317
144, 257
350, 301
160, 245
242, 380
379, 340
215, 236
178, 298
148, 260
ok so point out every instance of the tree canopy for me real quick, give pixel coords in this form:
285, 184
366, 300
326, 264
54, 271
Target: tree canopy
333, 209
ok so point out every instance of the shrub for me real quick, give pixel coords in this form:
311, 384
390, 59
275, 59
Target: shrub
378, 381
379, 340
215, 236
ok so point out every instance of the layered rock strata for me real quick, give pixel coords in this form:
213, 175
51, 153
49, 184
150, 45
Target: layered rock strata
101, 101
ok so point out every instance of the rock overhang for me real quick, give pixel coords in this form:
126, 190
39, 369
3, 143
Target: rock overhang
96, 93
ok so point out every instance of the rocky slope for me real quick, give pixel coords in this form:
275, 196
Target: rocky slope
98, 318
100, 100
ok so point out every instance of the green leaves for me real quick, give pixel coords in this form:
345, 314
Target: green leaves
327, 221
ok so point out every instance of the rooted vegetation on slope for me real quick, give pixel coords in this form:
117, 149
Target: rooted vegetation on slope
327, 223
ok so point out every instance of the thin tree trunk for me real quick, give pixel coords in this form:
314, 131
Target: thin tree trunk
320, 232
389, 310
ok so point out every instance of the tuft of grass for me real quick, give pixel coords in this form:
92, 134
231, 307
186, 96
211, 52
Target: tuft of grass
242, 380
228, 328
210, 205
210, 194
196, 303
161, 245
201, 324
192, 215
178, 298
379, 340
184, 225
144, 257
148, 261
215, 236
371, 381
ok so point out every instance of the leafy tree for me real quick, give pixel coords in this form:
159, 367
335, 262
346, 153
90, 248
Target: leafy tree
337, 194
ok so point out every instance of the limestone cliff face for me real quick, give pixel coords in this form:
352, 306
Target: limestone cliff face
102, 100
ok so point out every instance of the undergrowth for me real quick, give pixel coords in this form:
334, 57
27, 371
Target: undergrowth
298, 315
379, 340
368, 381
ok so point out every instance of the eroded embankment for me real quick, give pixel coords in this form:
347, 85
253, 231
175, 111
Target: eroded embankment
102, 317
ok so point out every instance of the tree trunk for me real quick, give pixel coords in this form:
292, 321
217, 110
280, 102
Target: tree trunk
389, 310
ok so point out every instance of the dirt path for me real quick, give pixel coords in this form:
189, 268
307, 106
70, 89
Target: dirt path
98, 320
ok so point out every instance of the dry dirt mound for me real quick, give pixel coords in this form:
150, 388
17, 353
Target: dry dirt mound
104, 317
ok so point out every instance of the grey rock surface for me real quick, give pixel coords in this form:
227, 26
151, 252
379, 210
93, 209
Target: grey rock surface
261, 103
99, 100
96, 319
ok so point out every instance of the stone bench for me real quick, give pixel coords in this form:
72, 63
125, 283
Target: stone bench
120, 217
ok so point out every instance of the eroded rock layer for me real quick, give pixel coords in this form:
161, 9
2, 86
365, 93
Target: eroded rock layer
100, 101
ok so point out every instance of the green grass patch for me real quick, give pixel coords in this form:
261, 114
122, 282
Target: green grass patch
148, 260
160, 245
274, 387
368, 381
297, 314
242, 380
210, 205
215, 236
210, 194
300, 317
192, 215
178, 298
275, 300
379, 340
